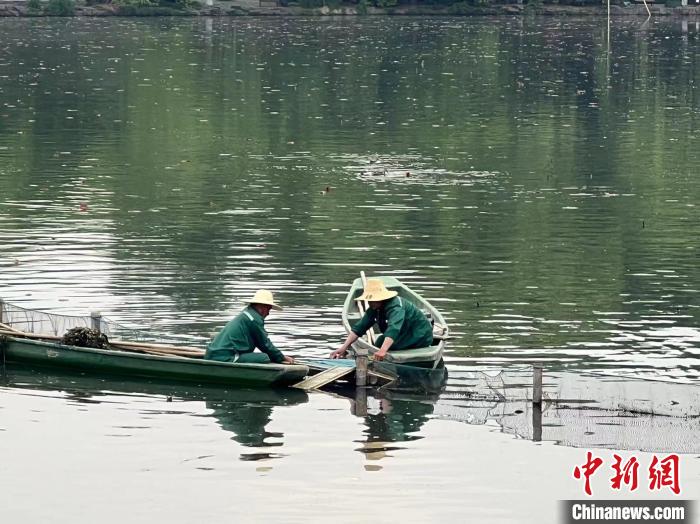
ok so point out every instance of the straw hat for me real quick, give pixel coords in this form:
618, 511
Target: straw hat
376, 291
263, 296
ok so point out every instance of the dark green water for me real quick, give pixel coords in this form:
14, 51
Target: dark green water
535, 180
539, 189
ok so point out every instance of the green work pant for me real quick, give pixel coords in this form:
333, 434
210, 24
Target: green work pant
252, 358
380, 340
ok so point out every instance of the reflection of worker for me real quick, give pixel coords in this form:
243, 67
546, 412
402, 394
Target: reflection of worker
247, 422
239, 338
404, 326
247, 412
397, 420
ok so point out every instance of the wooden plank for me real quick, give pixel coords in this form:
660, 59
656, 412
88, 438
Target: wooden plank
382, 376
325, 363
323, 378
10, 328
195, 352
17, 333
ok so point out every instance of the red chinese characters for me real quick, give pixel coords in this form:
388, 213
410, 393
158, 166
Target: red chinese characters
663, 472
590, 467
626, 474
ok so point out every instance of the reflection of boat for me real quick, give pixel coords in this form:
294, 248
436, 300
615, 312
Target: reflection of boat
389, 376
164, 367
414, 379
425, 357
243, 412
89, 386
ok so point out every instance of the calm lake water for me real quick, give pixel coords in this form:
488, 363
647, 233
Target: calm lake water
533, 178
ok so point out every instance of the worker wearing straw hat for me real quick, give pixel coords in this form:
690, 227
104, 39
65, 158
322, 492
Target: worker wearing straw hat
239, 338
403, 325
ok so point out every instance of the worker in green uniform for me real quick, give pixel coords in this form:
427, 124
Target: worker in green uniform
404, 326
239, 338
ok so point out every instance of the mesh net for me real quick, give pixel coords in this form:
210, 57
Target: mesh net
596, 391
578, 409
40, 322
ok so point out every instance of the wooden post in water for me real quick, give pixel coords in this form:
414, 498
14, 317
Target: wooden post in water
360, 367
536, 422
2, 304
96, 317
360, 404
537, 384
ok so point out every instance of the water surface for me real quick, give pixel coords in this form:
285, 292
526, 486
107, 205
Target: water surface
533, 178
538, 188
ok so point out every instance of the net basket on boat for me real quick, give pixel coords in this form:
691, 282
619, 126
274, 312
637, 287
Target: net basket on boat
40, 322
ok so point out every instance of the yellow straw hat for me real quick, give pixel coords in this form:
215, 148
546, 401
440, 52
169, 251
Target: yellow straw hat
263, 296
376, 291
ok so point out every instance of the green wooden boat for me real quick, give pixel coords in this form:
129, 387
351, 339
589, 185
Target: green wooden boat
128, 364
430, 356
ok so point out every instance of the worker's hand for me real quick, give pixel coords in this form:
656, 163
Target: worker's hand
339, 353
288, 360
379, 355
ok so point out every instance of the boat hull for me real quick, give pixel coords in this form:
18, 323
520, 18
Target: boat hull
110, 362
422, 357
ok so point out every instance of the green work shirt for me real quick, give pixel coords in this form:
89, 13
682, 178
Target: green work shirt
242, 335
400, 320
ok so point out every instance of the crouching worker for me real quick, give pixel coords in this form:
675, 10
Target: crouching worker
239, 338
404, 326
